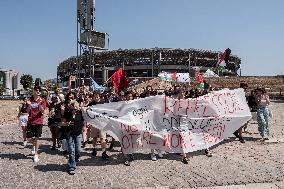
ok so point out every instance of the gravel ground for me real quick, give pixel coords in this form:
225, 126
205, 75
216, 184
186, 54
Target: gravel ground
233, 163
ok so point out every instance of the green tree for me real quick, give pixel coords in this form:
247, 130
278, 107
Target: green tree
27, 81
1, 88
50, 84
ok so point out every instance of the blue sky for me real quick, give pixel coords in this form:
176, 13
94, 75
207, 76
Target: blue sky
36, 35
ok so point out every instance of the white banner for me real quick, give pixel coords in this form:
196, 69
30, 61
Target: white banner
183, 77
172, 125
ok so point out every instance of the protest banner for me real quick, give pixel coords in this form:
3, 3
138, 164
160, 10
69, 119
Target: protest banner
161, 122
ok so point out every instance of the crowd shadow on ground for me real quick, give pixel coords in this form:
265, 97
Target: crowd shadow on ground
12, 143
14, 156
116, 156
51, 168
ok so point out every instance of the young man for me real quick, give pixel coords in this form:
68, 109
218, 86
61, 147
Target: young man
35, 109
97, 99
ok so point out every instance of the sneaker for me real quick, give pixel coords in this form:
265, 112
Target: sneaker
153, 157
105, 156
84, 144
59, 143
184, 160
94, 153
33, 150
77, 158
36, 159
127, 163
71, 172
160, 154
208, 153
111, 145
242, 140
131, 157
25, 143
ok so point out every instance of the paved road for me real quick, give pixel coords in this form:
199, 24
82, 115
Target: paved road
233, 165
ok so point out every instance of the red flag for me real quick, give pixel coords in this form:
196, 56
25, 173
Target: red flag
119, 80
174, 76
200, 78
224, 58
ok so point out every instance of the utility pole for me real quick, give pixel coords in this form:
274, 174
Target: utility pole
88, 40
189, 64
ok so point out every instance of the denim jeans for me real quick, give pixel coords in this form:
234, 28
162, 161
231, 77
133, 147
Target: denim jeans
262, 119
64, 145
74, 147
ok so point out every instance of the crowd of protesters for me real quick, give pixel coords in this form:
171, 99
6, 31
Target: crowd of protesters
70, 132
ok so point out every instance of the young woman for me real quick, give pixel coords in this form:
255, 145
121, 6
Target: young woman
23, 118
262, 100
74, 123
95, 133
70, 96
87, 127
36, 107
54, 118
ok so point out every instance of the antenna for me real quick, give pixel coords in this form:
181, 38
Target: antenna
88, 40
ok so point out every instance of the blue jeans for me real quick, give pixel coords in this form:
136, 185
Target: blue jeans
262, 119
74, 147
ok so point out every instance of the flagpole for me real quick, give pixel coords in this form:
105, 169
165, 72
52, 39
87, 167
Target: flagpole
188, 63
108, 79
189, 67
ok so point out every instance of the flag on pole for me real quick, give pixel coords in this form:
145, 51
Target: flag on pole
95, 86
119, 80
199, 76
224, 58
183, 77
168, 76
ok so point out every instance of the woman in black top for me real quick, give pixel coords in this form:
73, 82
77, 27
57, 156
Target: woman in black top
54, 118
73, 133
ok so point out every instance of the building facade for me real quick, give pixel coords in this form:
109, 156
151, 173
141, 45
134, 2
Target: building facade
10, 81
142, 63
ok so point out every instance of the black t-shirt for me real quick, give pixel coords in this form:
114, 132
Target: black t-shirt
92, 103
57, 113
252, 103
76, 124
24, 108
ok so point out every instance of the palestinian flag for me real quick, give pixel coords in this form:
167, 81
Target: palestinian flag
168, 76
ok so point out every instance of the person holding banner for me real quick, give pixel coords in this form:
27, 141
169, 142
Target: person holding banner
98, 99
87, 127
180, 95
149, 92
239, 133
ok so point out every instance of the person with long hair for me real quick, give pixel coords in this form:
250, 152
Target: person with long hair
74, 125
54, 118
36, 107
95, 133
23, 118
262, 100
